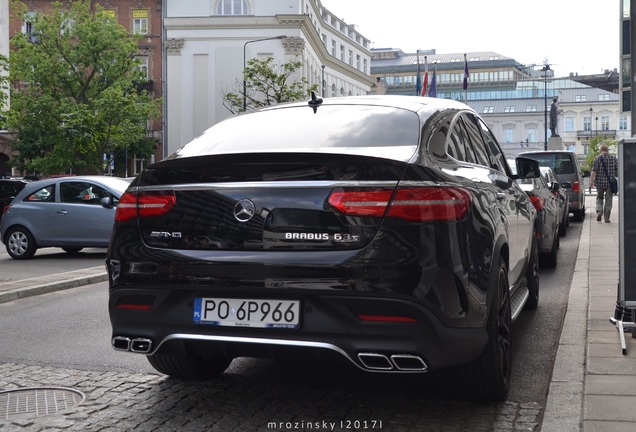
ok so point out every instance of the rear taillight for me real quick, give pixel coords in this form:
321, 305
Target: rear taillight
146, 204
576, 186
538, 202
414, 204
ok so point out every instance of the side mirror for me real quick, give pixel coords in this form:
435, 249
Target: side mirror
107, 202
527, 168
555, 187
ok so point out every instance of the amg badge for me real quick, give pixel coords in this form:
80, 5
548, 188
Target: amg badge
165, 234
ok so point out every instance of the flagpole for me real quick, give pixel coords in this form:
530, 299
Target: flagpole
425, 84
466, 75
418, 79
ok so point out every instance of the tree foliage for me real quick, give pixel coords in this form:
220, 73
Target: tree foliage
74, 96
267, 84
593, 148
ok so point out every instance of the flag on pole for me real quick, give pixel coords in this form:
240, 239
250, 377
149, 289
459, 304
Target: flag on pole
466, 74
432, 92
425, 84
418, 79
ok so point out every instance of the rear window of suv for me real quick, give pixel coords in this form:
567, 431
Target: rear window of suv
559, 162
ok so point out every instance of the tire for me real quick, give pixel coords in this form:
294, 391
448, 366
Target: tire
563, 226
72, 250
549, 260
488, 377
532, 278
20, 243
189, 367
578, 215
491, 372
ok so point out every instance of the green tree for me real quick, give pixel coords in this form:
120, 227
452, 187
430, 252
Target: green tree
267, 84
593, 149
74, 94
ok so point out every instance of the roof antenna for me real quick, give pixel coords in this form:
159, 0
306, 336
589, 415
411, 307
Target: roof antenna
315, 102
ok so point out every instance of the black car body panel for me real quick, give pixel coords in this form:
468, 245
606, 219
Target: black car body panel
355, 209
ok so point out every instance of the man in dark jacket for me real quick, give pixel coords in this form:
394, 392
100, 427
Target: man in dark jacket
604, 168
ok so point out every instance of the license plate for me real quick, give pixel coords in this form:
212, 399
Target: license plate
247, 312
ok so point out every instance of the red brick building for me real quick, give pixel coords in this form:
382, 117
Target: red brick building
138, 16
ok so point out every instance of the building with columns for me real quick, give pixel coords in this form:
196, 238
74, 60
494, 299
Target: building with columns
208, 42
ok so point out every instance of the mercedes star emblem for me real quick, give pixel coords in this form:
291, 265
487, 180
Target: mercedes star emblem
244, 210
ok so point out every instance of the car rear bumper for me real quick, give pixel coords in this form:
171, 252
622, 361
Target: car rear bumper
330, 323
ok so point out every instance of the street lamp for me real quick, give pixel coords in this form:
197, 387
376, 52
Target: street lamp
323, 81
244, 82
545, 69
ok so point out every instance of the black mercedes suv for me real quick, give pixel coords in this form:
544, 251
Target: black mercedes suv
387, 230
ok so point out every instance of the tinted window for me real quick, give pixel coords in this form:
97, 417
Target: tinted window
46, 194
479, 147
498, 159
459, 143
367, 130
82, 193
561, 163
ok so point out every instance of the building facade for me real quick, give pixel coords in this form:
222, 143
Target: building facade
208, 42
512, 98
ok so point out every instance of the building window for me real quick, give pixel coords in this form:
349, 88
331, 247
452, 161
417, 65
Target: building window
603, 97
333, 48
489, 110
350, 58
333, 90
324, 40
364, 62
143, 66
358, 61
509, 135
569, 124
140, 21
232, 7
622, 125
580, 98
605, 123
531, 108
27, 26
532, 135
342, 53
587, 123
510, 109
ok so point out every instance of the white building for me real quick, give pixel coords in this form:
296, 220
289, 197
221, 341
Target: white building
207, 43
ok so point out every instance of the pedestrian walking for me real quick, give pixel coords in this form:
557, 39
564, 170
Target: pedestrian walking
603, 176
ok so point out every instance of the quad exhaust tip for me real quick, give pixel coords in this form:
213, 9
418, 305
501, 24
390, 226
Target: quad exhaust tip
396, 362
136, 345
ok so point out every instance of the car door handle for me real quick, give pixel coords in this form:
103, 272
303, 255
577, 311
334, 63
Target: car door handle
62, 212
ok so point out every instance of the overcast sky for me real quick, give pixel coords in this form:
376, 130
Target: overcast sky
573, 35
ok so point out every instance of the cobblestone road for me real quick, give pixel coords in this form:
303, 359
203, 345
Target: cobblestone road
259, 395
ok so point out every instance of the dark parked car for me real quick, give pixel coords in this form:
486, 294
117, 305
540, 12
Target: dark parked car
9, 188
561, 193
548, 216
567, 170
388, 231
69, 212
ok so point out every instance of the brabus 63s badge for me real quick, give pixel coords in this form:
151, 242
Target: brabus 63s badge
337, 237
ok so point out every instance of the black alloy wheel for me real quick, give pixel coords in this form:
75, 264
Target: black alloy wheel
532, 278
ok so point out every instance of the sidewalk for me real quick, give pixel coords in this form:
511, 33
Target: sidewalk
593, 385
16, 289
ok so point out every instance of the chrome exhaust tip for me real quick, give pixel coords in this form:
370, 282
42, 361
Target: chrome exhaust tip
375, 361
140, 345
121, 343
407, 362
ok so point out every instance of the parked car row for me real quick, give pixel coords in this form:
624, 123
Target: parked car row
389, 231
562, 176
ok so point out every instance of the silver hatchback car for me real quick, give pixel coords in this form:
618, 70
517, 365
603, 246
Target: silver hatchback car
69, 212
